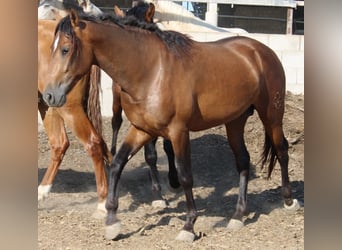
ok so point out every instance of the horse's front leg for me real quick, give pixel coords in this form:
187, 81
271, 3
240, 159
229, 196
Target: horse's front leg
117, 115
59, 143
181, 146
133, 141
76, 119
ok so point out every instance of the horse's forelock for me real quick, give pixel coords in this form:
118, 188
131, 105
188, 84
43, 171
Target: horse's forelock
64, 26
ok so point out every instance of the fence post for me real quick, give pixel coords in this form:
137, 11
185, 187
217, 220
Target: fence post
211, 14
289, 21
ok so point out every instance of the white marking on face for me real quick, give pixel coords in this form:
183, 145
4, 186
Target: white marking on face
55, 43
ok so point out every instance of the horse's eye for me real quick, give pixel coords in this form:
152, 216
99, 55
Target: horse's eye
65, 50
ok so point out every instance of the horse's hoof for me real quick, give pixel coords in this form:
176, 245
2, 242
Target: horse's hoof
101, 211
113, 231
235, 224
159, 204
293, 207
41, 197
174, 190
185, 236
99, 214
43, 191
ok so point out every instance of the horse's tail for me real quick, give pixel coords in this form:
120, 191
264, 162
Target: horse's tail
268, 155
94, 107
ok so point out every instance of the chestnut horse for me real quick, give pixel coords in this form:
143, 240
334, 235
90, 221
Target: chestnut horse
57, 136
82, 111
173, 85
87, 127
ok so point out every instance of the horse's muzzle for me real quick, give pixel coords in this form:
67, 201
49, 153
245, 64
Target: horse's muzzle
54, 97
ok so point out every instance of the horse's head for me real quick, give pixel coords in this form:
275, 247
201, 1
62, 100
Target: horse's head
143, 11
67, 64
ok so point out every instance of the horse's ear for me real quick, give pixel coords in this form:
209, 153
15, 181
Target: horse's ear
58, 17
150, 13
74, 18
118, 12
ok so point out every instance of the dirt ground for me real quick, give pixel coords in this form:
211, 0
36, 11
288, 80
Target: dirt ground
65, 222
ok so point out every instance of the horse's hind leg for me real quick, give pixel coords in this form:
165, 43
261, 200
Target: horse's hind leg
151, 159
59, 143
276, 140
79, 123
276, 147
235, 130
173, 176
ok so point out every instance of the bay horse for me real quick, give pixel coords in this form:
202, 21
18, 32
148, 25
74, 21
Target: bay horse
82, 127
173, 85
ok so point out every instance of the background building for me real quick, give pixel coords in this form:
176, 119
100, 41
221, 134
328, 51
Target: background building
254, 16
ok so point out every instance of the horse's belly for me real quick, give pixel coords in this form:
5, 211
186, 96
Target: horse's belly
221, 108
214, 117
144, 115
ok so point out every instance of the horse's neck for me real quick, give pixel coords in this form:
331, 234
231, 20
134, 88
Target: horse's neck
121, 55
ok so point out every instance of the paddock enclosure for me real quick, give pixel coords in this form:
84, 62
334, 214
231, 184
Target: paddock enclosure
64, 219
67, 212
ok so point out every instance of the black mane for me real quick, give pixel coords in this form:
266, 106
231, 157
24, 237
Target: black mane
176, 42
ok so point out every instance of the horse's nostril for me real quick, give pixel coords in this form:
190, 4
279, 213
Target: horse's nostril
48, 98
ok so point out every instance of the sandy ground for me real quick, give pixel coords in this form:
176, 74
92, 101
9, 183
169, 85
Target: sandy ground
65, 222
